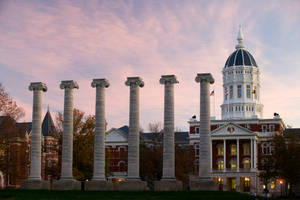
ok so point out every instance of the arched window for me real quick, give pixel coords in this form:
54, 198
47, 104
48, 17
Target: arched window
122, 166
246, 149
246, 163
232, 163
233, 149
220, 164
220, 149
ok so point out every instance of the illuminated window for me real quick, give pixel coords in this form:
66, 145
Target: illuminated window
233, 164
246, 164
220, 164
246, 149
273, 185
233, 149
220, 149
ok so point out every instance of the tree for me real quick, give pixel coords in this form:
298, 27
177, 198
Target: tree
287, 159
8, 107
284, 162
184, 163
83, 147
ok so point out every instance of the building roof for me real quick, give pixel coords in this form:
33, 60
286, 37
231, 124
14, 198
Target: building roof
240, 57
48, 128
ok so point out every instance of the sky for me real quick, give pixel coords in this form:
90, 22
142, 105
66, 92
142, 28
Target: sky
55, 40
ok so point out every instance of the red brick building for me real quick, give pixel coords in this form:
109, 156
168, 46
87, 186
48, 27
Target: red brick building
15, 153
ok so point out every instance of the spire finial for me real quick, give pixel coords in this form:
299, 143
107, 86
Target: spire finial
48, 108
240, 39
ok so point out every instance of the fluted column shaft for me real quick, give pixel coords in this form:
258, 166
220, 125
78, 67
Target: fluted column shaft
67, 143
205, 147
99, 143
133, 137
169, 147
35, 162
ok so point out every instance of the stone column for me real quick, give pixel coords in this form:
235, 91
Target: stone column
34, 180
205, 180
35, 162
224, 155
169, 147
251, 155
133, 177
168, 181
205, 152
66, 181
99, 182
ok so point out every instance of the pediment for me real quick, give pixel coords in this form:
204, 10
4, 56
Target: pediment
231, 129
115, 135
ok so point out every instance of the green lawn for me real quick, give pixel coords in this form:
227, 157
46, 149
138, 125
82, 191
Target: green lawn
104, 195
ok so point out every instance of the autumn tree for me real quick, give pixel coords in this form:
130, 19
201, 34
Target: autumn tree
83, 146
8, 107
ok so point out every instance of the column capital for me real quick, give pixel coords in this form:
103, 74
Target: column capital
204, 77
135, 81
171, 79
69, 84
100, 83
37, 86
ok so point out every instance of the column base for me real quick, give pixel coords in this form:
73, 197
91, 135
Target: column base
167, 185
99, 185
66, 184
204, 185
35, 185
132, 185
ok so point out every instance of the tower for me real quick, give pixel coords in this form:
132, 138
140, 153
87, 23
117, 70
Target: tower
241, 85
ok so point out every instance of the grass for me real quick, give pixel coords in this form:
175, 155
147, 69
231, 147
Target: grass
111, 195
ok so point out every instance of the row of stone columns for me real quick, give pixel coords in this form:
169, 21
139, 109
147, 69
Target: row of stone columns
133, 181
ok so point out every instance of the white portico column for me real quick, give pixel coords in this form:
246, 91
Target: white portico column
238, 155
35, 162
134, 137
251, 155
255, 154
67, 143
169, 148
224, 156
99, 143
205, 151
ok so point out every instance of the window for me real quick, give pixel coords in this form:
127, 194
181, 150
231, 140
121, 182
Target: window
197, 150
220, 149
225, 93
248, 126
266, 148
246, 149
231, 92
255, 92
246, 164
232, 163
197, 130
271, 128
239, 91
233, 149
248, 92
264, 128
220, 164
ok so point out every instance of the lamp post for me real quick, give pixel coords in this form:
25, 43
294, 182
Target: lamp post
281, 182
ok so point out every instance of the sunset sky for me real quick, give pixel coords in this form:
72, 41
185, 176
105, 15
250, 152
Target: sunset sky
55, 40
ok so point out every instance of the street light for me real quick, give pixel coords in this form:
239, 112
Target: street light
281, 182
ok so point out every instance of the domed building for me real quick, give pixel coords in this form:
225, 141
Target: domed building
242, 135
241, 85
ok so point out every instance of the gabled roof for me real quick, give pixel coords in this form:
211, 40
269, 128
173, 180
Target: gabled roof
48, 128
180, 137
231, 129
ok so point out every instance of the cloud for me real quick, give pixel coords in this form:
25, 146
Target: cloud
51, 41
